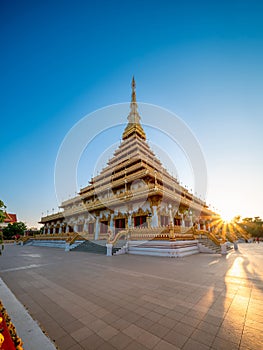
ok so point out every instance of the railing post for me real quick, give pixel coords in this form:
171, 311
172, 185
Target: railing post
109, 249
223, 249
171, 232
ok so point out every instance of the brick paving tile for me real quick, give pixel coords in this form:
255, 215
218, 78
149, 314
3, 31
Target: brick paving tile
158, 330
92, 342
163, 345
221, 344
136, 346
203, 337
144, 323
161, 310
108, 332
106, 346
233, 335
194, 345
208, 328
120, 324
65, 342
97, 325
76, 347
176, 339
154, 316
184, 329
120, 341
257, 326
133, 331
81, 334
252, 339
148, 339
167, 322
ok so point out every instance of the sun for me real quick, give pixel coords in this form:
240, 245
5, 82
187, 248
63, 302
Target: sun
226, 217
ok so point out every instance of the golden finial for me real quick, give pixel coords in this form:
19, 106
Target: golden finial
133, 84
134, 126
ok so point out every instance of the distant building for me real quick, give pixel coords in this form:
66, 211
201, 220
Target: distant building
9, 219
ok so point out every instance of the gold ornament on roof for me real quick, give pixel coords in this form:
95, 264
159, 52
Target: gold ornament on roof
134, 126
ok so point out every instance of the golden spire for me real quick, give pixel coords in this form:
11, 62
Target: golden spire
134, 125
133, 116
133, 85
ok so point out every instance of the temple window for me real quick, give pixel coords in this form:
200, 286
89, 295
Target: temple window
91, 228
104, 227
140, 221
164, 220
177, 222
119, 224
80, 228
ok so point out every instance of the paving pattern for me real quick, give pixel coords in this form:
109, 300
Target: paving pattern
90, 301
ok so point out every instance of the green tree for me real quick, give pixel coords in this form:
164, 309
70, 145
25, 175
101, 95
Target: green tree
15, 229
254, 226
245, 220
237, 219
2, 211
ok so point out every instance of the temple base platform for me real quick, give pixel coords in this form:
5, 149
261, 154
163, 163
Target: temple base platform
163, 248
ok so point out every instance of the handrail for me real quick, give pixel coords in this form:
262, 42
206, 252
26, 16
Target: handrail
24, 239
209, 235
149, 233
51, 237
118, 236
73, 238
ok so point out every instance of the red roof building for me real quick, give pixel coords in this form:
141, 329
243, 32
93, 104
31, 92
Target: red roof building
9, 219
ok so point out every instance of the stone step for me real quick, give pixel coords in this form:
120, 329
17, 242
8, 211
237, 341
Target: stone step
212, 246
91, 247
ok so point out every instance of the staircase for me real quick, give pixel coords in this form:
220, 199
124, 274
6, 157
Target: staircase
97, 247
208, 246
172, 249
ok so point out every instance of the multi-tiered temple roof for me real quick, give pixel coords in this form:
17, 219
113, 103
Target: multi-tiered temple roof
133, 181
134, 160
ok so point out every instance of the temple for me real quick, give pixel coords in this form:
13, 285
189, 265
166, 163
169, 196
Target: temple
9, 219
133, 191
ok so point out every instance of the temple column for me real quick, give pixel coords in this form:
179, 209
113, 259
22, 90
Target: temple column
60, 229
97, 228
171, 221
183, 222
67, 228
48, 231
111, 223
155, 202
154, 222
86, 226
75, 228
129, 219
191, 219
54, 230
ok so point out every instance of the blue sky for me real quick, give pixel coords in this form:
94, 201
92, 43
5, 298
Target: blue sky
61, 60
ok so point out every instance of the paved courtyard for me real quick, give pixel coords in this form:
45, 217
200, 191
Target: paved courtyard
89, 301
